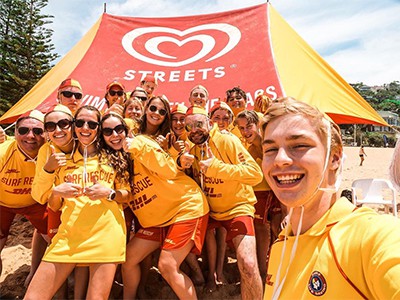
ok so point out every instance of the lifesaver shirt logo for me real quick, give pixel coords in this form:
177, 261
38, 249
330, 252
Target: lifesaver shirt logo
317, 284
151, 50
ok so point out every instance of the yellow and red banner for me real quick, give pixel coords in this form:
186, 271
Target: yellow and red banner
253, 48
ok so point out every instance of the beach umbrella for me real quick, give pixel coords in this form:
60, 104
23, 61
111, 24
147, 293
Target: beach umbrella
254, 48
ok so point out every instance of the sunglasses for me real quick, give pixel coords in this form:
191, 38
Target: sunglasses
161, 111
197, 124
68, 94
25, 130
113, 93
141, 98
91, 124
62, 124
107, 131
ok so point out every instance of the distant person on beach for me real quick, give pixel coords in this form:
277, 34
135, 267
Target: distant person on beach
394, 169
361, 153
330, 249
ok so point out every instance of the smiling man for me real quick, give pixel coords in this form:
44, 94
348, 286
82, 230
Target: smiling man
329, 248
17, 170
226, 171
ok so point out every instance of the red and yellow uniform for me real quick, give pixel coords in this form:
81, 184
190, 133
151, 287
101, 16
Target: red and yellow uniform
43, 181
162, 195
229, 179
356, 243
91, 231
17, 173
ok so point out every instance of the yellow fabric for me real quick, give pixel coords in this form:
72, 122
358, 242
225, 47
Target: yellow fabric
367, 248
43, 181
16, 176
162, 194
307, 77
263, 185
228, 181
91, 231
50, 82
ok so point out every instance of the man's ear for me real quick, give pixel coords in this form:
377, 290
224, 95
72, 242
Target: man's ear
336, 159
210, 123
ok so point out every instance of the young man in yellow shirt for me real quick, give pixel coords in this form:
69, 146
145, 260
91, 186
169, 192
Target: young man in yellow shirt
329, 248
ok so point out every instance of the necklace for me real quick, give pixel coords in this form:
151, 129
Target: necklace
28, 157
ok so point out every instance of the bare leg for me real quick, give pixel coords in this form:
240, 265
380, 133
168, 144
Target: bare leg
81, 275
263, 239
197, 275
39, 245
169, 263
2, 244
221, 249
145, 266
250, 280
136, 250
211, 247
47, 280
100, 280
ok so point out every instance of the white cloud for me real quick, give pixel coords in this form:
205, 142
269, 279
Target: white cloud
358, 38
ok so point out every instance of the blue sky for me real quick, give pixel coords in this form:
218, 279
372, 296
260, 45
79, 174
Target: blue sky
359, 39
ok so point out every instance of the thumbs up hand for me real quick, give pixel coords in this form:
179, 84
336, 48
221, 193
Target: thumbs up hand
163, 141
206, 163
55, 160
186, 159
177, 143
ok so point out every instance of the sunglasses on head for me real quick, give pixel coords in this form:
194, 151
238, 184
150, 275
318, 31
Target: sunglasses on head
68, 94
107, 131
91, 124
161, 111
25, 130
197, 124
113, 93
62, 124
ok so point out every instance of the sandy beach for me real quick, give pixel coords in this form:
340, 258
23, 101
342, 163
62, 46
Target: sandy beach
17, 253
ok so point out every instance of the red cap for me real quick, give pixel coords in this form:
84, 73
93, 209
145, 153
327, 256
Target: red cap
218, 105
34, 114
115, 82
196, 110
178, 109
150, 78
70, 82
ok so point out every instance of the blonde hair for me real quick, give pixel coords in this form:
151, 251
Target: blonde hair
288, 105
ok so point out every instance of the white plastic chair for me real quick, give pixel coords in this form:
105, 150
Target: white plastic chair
374, 191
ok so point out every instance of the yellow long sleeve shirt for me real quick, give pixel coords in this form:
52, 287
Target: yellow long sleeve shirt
363, 244
162, 195
91, 231
16, 173
228, 181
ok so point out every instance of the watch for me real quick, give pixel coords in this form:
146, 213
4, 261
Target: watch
111, 195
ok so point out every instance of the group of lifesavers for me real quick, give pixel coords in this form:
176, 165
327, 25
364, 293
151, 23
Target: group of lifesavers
105, 189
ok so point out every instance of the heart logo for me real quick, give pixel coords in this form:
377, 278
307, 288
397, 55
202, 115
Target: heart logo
208, 42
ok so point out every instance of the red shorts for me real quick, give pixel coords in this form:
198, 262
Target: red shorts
267, 205
242, 225
36, 214
54, 221
178, 234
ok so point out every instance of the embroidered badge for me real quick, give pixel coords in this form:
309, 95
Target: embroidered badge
317, 284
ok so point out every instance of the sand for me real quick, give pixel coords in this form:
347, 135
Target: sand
17, 253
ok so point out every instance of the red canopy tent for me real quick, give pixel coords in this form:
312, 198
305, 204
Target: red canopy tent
253, 48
